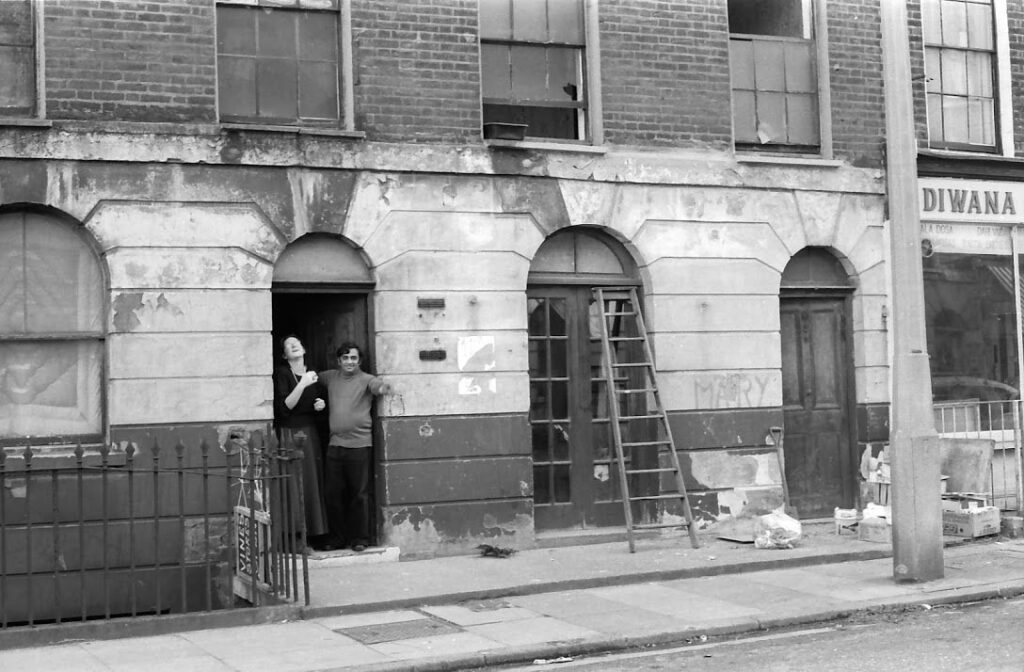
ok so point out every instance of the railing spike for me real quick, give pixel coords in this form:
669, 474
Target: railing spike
179, 448
79, 451
204, 448
130, 450
156, 447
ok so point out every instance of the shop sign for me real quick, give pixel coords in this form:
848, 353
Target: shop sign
970, 200
952, 238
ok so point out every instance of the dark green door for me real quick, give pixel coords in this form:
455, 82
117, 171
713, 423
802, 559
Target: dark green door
815, 391
575, 482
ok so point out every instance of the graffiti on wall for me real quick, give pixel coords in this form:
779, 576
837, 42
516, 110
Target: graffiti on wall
731, 390
476, 359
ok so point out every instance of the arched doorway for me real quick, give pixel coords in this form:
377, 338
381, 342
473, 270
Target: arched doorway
817, 383
574, 479
320, 293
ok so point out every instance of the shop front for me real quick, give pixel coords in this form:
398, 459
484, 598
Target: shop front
972, 242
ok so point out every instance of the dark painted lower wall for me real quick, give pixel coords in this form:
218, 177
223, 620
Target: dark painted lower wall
449, 483
138, 531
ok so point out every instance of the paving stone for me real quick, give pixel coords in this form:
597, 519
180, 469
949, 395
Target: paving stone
467, 615
390, 632
62, 658
425, 647
371, 618
532, 631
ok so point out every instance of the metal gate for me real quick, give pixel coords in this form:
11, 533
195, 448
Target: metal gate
130, 530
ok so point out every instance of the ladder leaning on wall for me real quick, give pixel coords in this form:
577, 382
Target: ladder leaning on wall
630, 371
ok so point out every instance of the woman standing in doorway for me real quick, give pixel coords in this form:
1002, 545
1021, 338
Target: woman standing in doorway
298, 397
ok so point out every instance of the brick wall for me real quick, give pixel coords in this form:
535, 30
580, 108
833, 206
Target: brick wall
131, 61
857, 87
1015, 19
665, 73
417, 69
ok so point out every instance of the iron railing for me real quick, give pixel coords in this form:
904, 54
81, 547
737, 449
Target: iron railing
1000, 422
117, 531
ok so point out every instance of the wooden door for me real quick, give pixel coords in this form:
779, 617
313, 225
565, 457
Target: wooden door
575, 481
816, 377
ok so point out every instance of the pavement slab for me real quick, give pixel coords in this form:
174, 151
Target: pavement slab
537, 604
427, 647
532, 631
480, 612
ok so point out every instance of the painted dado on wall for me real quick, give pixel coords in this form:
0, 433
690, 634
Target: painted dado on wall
188, 254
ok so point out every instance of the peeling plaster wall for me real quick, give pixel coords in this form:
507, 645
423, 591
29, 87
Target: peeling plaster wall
190, 250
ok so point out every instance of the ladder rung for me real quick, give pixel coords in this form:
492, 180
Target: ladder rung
651, 526
637, 390
634, 365
625, 338
659, 470
619, 313
624, 418
640, 444
671, 495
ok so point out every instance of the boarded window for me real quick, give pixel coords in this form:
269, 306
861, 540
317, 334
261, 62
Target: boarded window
532, 65
17, 59
960, 73
774, 74
51, 333
278, 65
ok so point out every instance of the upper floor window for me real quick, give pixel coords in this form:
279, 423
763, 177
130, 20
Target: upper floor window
960, 59
533, 66
774, 74
52, 330
17, 59
279, 65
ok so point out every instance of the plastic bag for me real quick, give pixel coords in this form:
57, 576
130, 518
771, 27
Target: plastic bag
776, 530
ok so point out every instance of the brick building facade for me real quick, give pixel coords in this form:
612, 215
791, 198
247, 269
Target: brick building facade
239, 171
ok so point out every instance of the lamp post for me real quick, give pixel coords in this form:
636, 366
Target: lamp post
914, 454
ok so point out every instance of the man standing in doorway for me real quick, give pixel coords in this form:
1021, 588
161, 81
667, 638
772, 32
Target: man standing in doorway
350, 393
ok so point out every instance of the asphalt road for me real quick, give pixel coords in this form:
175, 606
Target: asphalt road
980, 637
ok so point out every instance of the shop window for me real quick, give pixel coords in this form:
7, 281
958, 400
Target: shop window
533, 66
774, 74
51, 333
279, 65
960, 60
17, 59
971, 327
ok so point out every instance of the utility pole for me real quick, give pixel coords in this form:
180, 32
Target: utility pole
913, 442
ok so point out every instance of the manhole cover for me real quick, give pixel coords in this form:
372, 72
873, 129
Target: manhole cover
390, 632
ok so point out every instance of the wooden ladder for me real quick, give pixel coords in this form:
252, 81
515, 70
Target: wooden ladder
622, 323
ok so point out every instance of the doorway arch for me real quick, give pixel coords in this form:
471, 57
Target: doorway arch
320, 293
818, 383
575, 484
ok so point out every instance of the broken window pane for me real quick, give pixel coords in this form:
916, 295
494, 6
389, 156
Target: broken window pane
534, 77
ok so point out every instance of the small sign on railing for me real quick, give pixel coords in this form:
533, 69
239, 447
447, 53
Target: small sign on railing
252, 553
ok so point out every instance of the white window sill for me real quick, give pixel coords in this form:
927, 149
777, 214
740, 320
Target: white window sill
966, 154
776, 160
297, 130
548, 146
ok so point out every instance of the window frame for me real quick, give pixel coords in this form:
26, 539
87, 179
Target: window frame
1002, 132
815, 13
589, 104
345, 119
56, 442
38, 97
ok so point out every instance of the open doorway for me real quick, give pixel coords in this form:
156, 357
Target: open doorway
321, 294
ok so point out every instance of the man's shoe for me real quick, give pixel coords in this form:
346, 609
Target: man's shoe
358, 548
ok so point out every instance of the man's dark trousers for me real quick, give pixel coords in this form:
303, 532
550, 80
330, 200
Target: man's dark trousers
346, 489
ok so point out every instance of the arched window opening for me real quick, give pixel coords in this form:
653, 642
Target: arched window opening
52, 333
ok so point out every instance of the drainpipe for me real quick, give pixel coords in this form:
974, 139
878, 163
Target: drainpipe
914, 444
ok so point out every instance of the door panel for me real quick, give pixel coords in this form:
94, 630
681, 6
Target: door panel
818, 447
575, 478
